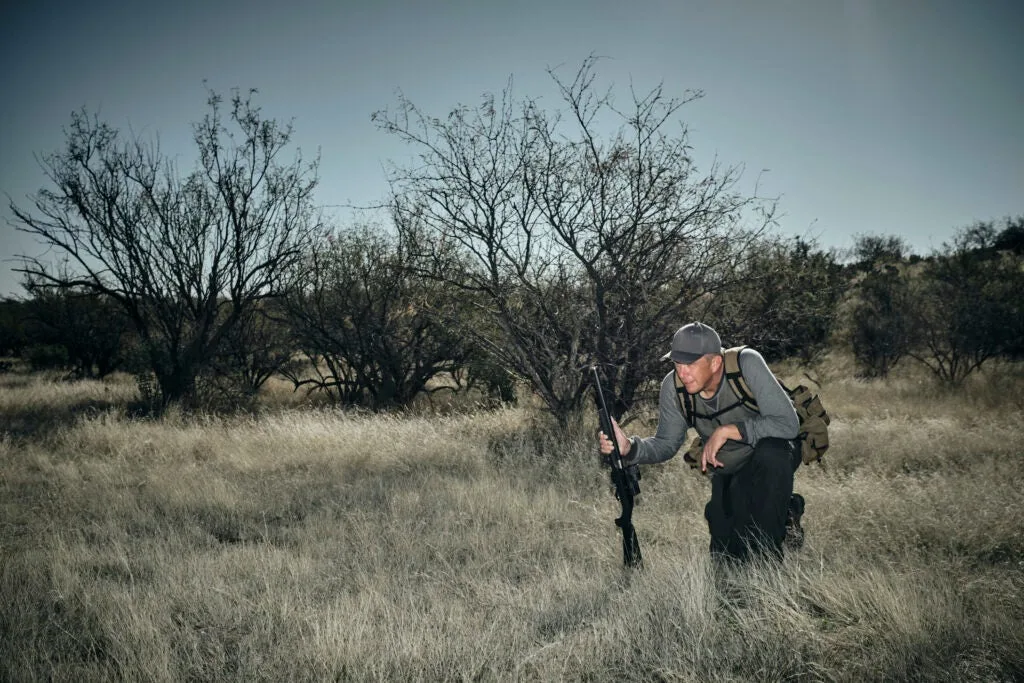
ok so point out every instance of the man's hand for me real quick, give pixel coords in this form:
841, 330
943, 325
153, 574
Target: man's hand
709, 456
606, 444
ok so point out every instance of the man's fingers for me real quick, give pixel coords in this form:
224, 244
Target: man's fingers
708, 457
620, 436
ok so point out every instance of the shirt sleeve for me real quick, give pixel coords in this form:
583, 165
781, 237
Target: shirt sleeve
671, 431
777, 416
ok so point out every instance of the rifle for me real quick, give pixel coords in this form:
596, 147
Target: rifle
626, 481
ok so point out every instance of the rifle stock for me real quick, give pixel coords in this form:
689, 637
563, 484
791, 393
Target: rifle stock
625, 480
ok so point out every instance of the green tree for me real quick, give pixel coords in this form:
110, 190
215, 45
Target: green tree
1011, 237
786, 301
879, 315
871, 251
967, 306
12, 327
90, 328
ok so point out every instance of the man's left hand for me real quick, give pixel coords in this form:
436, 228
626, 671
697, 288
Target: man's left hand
709, 456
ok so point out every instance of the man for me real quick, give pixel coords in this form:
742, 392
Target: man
752, 455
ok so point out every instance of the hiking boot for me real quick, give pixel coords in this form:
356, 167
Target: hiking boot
794, 538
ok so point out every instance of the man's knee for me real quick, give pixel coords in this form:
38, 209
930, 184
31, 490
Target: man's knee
776, 454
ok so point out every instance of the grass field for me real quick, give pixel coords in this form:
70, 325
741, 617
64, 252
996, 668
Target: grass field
310, 545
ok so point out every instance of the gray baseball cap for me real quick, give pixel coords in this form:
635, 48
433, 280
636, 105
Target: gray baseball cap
692, 342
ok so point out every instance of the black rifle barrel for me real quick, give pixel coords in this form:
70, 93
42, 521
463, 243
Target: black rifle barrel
626, 481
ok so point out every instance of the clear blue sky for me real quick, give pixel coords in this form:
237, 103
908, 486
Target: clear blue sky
897, 117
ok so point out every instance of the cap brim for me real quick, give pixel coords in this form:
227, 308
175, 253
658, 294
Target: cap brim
682, 357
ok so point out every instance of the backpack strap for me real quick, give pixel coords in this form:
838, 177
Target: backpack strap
734, 376
685, 400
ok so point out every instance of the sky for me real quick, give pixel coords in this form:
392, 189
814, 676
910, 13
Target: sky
890, 117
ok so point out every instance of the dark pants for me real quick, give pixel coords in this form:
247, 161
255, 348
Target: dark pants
747, 511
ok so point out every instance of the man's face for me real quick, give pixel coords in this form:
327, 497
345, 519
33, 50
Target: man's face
697, 376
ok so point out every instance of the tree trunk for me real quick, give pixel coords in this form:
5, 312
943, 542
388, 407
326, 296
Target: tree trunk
177, 386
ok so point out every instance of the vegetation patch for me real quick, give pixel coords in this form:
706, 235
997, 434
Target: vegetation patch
319, 544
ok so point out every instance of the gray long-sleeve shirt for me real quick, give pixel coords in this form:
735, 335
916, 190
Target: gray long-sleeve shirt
775, 417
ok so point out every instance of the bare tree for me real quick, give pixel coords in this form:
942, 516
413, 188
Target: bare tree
252, 352
185, 257
578, 245
358, 314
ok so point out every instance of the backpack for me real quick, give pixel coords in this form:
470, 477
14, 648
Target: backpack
814, 419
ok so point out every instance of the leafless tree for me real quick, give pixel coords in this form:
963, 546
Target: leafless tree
359, 315
253, 351
185, 257
585, 234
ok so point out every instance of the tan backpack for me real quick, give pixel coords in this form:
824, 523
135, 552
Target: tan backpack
814, 419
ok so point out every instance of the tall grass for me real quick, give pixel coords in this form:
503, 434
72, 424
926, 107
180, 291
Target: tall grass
317, 545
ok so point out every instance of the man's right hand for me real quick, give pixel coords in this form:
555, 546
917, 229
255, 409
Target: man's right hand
606, 445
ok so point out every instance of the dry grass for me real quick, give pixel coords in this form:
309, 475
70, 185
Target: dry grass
307, 544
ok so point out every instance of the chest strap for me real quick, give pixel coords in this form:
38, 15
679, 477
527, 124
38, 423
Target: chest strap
733, 377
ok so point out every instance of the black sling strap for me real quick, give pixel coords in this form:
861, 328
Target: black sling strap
690, 406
